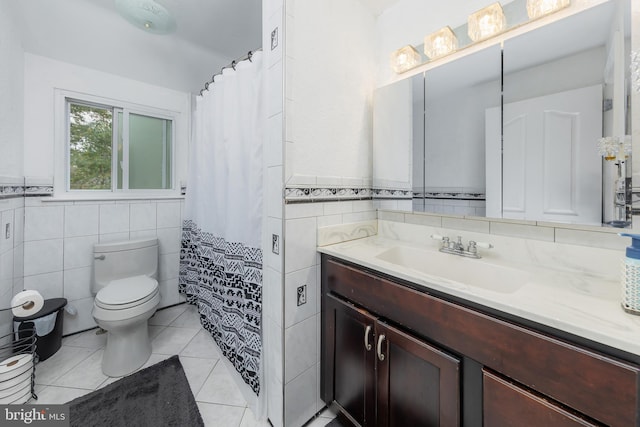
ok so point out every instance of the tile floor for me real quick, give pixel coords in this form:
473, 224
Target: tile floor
75, 369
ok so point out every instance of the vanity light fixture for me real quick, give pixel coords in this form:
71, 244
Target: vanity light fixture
486, 22
539, 8
147, 15
440, 43
404, 59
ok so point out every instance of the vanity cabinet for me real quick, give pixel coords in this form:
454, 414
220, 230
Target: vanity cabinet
491, 370
386, 377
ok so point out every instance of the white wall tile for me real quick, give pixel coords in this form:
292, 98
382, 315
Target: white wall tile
273, 296
114, 237
43, 256
293, 313
274, 192
43, 223
300, 244
50, 285
114, 218
521, 230
300, 397
77, 283
275, 401
18, 261
590, 238
6, 272
273, 260
429, 220
78, 251
169, 240
82, 320
327, 220
142, 216
81, 220
6, 220
18, 226
274, 349
168, 214
274, 142
359, 216
142, 234
274, 88
303, 210
466, 224
332, 208
169, 292
168, 265
300, 346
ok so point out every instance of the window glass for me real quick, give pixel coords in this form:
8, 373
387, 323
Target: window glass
90, 136
114, 148
149, 152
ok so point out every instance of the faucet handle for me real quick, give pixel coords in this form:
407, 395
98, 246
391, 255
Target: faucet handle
482, 245
437, 237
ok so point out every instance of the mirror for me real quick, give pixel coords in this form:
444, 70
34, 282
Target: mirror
564, 89
462, 125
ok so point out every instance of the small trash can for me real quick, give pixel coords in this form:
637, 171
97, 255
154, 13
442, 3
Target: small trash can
48, 326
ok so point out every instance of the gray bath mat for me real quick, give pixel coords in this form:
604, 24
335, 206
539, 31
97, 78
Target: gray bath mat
156, 396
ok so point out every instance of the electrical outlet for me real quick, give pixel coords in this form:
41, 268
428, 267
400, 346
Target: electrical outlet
302, 295
7, 231
275, 244
274, 38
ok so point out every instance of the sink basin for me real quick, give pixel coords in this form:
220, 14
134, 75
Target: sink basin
453, 268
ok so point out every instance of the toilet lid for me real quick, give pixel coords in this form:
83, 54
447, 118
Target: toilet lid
127, 292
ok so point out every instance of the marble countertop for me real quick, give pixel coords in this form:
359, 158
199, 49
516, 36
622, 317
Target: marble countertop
584, 305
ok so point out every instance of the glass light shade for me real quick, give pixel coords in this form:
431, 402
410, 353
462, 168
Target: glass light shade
539, 8
147, 15
486, 22
440, 43
404, 59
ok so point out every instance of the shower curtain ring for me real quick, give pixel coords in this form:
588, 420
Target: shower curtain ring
206, 86
233, 65
249, 55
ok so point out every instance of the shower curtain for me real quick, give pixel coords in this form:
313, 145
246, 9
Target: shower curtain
221, 254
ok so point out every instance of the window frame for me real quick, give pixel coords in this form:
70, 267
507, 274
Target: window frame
62, 178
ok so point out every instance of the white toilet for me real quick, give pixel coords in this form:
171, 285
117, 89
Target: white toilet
126, 296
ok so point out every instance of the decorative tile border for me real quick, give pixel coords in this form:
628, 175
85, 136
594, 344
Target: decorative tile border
390, 193
451, 195
38, 190
325, 194
11, 191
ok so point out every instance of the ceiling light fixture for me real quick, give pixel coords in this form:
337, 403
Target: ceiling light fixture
147, 15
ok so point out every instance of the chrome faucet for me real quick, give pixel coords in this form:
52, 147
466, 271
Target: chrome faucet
458, 248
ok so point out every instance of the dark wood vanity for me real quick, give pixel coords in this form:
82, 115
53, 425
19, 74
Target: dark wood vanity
395, 354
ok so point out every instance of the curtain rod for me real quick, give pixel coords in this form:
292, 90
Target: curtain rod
230, 65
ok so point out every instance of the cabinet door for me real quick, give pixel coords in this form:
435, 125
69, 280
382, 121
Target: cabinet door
353, 360
418, 385
507, 405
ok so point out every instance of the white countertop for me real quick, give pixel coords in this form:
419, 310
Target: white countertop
583, 305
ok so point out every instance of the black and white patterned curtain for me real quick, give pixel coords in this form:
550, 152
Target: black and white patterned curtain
221, 254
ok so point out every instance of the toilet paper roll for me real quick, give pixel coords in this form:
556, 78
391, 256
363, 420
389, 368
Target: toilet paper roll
9, 367
26, 303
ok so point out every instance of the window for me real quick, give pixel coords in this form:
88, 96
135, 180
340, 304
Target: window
117, 149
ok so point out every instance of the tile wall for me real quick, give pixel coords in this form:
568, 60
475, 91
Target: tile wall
273, 273
11, 259
302, 322
59, 238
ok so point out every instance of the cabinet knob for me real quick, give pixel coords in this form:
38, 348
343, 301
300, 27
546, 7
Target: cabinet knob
379, 348
367, 332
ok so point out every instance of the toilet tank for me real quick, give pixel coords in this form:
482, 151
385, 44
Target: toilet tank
117, 260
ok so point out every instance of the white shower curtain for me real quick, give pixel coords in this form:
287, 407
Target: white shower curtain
221, 255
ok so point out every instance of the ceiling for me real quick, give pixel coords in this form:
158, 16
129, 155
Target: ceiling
90, 33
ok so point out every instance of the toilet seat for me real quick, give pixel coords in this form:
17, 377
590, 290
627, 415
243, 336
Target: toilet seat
127, 293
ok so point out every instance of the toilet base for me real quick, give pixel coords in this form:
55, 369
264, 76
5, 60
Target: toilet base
127, 350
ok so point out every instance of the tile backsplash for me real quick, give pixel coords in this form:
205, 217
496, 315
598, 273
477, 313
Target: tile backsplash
58, 246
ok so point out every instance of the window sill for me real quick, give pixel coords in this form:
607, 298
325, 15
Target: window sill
110, 198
